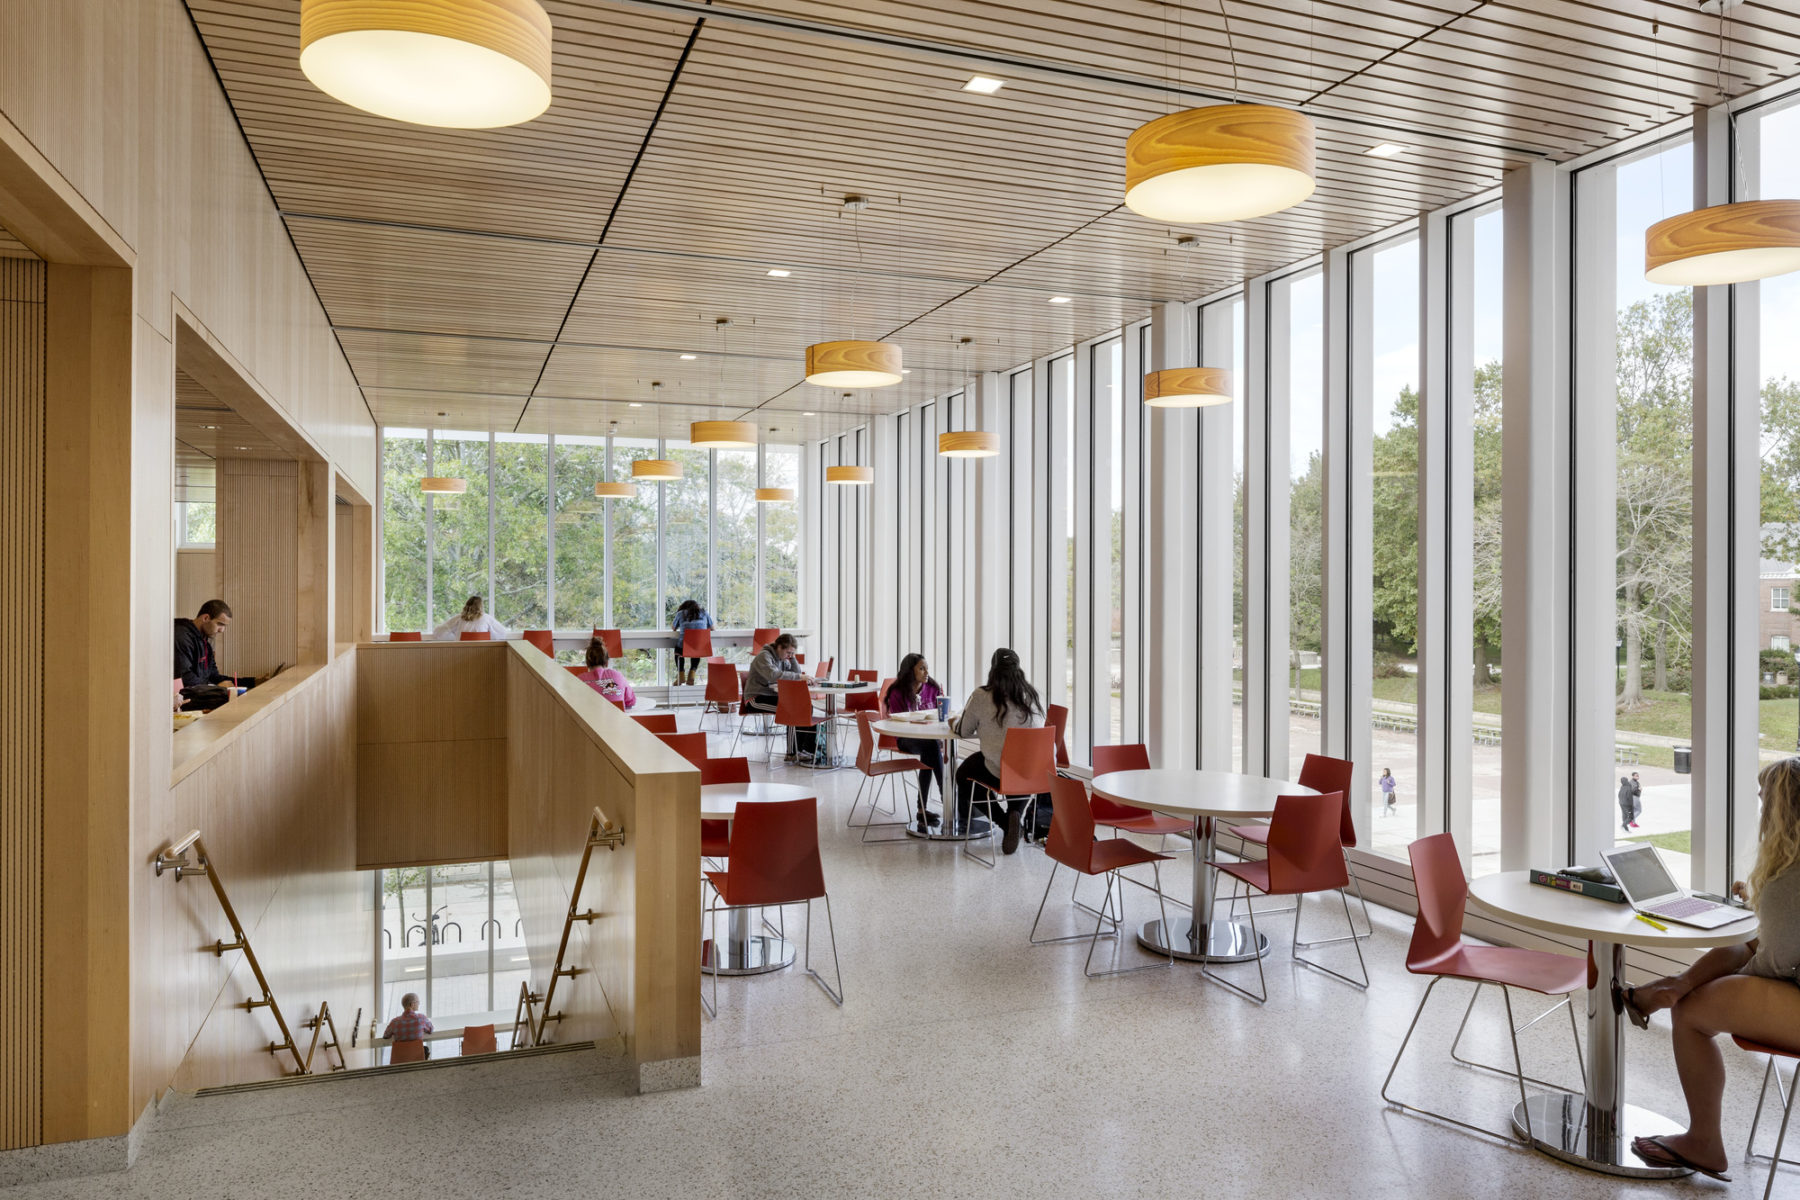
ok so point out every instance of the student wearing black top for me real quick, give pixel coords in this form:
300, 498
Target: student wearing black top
196, 662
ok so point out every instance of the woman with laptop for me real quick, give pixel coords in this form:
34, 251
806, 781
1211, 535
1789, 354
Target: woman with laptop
1749, 990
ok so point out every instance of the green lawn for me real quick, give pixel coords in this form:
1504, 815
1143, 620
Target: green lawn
1681, 842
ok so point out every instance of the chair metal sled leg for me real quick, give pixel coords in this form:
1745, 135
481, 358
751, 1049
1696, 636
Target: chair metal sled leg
1574, 1031
1299, 902
1518, 1072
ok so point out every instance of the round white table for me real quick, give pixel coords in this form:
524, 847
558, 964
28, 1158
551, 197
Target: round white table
941, 732
1596, 1131
1203, 796
745, 953
830, 696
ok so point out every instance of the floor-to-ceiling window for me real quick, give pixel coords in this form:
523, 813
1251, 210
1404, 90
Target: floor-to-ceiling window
405, 512
580, 533
1108, 551
459, 533
452, 936
521, 545
1301, 300
1062, 538
781, 539
734, 528
685, 529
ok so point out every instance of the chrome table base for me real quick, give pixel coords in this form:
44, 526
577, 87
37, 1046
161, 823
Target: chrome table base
752, 956
977, 827
1227, 941
1566, 1127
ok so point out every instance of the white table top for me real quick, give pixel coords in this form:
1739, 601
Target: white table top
841, 689
719, 801
1513, 896
924, 731
1197, 793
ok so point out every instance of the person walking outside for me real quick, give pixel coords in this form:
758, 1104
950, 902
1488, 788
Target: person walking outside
1631, 801
1390, 805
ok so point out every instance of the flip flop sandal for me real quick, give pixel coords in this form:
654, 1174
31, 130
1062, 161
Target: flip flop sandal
1667, 1156
1624, 1001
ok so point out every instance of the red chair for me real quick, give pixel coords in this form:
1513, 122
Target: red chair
1762, 1094
542, 639
760, 638
469, 635
1124, 817
478, 1039
1304, 857
406, 1052
1027, 764
724, 770
695, 643
1072, 844
824, 669
793, 708
885, 743
715, 836
722, 694
575, 669
655, 722
1437, 950
405, 635
1322, 774
691, 746
880, 771
775, 861
1057, 717
613, 640
861, 675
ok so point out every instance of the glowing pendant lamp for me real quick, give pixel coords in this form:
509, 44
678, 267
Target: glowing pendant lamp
1226, 162
850, 475
853, 364
722, 435
775, 495
459, 64
436, 485
971, 443
656, 470
1727, 243
1187, 387
609, 489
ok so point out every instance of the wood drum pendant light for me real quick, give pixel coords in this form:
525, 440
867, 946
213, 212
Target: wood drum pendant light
853, 364
656, 470
850, 475
437, 485
776, 495
1187, 387
1226, 162
1727, 243
610, 489
970, 443
722, 435
458, 64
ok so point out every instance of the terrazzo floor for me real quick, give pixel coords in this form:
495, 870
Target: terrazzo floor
964, 1062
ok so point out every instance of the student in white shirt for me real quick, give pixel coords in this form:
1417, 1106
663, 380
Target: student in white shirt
471, 620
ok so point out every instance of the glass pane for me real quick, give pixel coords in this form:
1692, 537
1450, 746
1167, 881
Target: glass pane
1109, 403
781, 540
521, 546
1392, 375
634, 558
1305, 312
1062, 404
200, 523
736, 524
1486, 232
459, 560
580, 534
403, 533
685, 531
459, 962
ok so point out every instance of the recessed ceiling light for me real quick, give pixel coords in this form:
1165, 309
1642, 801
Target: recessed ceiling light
243, 447
906, 370
209, 427
636, 404
1059, 299
779, 273
1384, 150
689, 357
986, 85
807, 414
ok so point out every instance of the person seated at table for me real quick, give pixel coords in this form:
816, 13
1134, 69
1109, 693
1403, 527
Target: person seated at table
203, 685
689, 616
914, 690
773, 663
604, 678
1008, 701
471, 620
1748, 990
411, 1025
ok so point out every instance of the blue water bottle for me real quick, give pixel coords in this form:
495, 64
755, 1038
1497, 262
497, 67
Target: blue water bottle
943, 708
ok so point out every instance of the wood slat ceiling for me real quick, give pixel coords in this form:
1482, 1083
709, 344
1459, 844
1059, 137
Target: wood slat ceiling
12, 247
542, 277
206, 430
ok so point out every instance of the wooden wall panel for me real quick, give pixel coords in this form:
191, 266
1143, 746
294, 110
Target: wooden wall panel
343, 574
196, 580
259, 563
22, 349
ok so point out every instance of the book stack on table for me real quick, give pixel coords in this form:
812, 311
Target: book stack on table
1582, 882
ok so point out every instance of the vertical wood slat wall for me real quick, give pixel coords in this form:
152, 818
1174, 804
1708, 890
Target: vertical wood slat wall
22, 348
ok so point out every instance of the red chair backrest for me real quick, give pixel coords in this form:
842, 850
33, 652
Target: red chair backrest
1027, 761
469, 635
1443, 892
865, 741
859, 675
405, 1052
775, 853
760, 638
869, 702
884, 741
1057, 717
613, 640
691, 746
542, 639
824, 671
1133, 756
793, 702
696, 643
405, 635
1323, 774
575, 669
479, 1039
656, 722
721, 681
1304, 854
1071, 840
724, 770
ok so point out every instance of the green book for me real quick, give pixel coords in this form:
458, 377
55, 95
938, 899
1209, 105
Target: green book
1581, 887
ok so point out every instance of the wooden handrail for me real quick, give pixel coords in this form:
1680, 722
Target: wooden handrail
175, 858
601, 832
320, 1022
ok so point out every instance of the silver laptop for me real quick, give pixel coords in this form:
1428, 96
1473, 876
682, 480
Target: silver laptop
1647, 884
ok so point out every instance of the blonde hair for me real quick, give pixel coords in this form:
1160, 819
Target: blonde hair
472, 609
1778, 846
